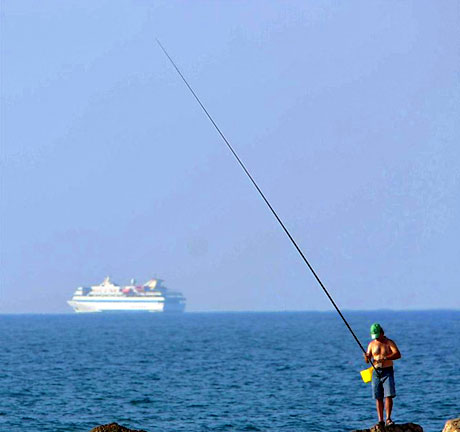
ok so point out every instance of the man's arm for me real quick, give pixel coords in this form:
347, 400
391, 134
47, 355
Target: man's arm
395, 354
368, 354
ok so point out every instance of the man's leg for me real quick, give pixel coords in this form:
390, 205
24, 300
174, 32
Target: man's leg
388, 406
379, 405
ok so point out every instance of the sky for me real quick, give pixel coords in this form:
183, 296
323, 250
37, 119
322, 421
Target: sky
346, 114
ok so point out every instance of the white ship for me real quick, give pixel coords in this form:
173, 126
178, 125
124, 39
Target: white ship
149, 297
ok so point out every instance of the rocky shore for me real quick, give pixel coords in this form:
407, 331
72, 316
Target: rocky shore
406, 427
451, 426
114, 427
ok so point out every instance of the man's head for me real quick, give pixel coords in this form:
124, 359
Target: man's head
376, 331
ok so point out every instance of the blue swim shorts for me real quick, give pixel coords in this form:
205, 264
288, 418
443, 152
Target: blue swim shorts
385, 387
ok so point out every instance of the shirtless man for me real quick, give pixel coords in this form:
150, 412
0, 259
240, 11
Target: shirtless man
382, 351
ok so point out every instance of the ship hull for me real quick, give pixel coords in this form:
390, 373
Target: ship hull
124, 305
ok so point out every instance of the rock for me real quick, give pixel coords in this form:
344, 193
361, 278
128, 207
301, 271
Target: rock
406, 427
113, 427
452, 425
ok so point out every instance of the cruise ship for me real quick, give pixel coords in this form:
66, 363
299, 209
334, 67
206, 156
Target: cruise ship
152, 296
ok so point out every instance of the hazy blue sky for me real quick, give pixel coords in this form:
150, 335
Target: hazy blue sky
345, 112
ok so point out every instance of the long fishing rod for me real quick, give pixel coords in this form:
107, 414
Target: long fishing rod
266, 201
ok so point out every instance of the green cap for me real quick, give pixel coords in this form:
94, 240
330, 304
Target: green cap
376, 330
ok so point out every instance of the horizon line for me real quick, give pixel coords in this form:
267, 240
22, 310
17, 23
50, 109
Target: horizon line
242, 311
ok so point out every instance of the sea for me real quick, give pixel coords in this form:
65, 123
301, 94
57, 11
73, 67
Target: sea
274, 371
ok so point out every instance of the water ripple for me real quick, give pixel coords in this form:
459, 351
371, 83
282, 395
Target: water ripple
219, 372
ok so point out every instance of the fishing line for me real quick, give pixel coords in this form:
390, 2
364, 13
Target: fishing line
266, 201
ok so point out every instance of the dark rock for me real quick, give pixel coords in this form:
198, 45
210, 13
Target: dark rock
452, 425
406, 427
114, 427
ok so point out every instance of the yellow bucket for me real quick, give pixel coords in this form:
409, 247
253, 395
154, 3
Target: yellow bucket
366, 374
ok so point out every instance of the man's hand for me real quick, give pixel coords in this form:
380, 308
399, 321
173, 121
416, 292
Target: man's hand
379, 362
366, 357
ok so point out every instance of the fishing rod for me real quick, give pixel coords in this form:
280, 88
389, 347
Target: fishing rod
286, 231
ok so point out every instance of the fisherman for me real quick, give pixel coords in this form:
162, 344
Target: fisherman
382, 351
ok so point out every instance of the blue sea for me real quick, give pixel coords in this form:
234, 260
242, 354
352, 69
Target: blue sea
220, 371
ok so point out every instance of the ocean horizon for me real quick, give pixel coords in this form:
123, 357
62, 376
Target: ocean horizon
217, 311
